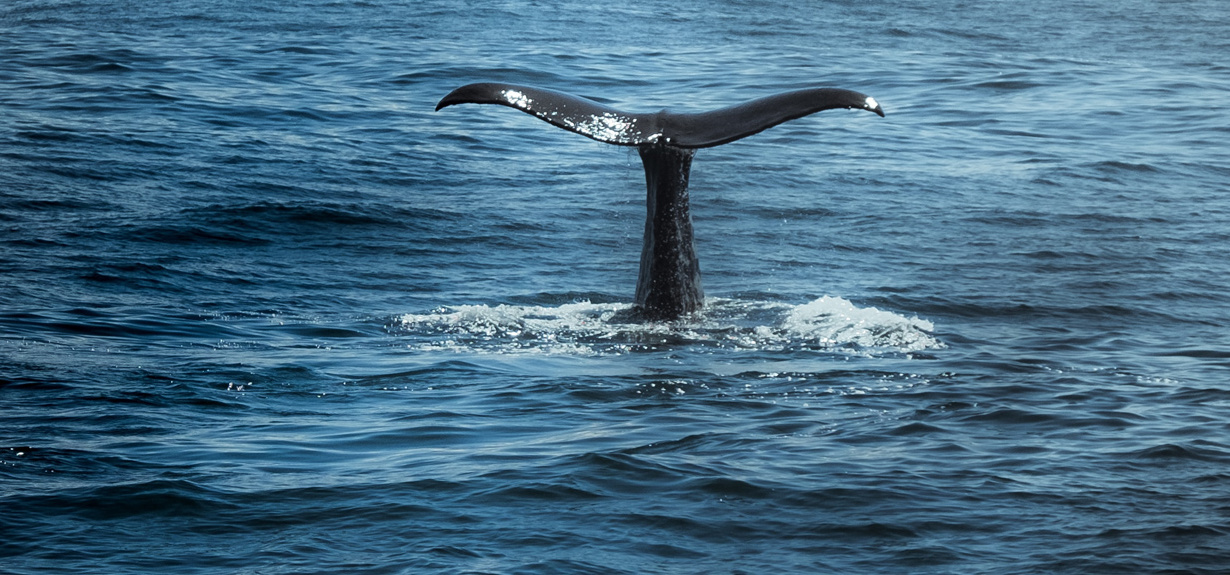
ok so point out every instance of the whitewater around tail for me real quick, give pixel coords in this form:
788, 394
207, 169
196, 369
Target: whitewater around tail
827, 324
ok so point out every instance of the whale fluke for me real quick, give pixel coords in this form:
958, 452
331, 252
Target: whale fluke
703, 130
572, 113
669, 283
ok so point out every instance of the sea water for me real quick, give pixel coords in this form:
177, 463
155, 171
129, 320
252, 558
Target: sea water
262, 310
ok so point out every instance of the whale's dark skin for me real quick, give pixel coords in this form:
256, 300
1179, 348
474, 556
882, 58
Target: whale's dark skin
669, 283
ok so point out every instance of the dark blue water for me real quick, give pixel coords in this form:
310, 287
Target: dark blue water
263, 311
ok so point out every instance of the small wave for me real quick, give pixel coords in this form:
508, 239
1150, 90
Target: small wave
833, 321
1115, 166
585, 328
1175, 452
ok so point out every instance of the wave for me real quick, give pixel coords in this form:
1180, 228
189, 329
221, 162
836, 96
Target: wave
584, 328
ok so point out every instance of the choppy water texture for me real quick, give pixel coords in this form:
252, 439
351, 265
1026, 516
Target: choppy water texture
263, 311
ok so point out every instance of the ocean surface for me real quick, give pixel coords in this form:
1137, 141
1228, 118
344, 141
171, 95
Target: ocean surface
264, 311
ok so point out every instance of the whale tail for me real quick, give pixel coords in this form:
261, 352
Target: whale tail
669, 283
703, 130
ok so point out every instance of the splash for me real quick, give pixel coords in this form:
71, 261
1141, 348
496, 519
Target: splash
834, 321
828, 324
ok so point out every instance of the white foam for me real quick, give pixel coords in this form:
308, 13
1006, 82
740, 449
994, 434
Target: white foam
517, 321
837, 322
584, 328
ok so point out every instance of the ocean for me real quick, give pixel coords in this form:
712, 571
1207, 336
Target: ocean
263, 310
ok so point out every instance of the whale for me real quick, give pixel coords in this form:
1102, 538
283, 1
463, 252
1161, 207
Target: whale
668, 286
